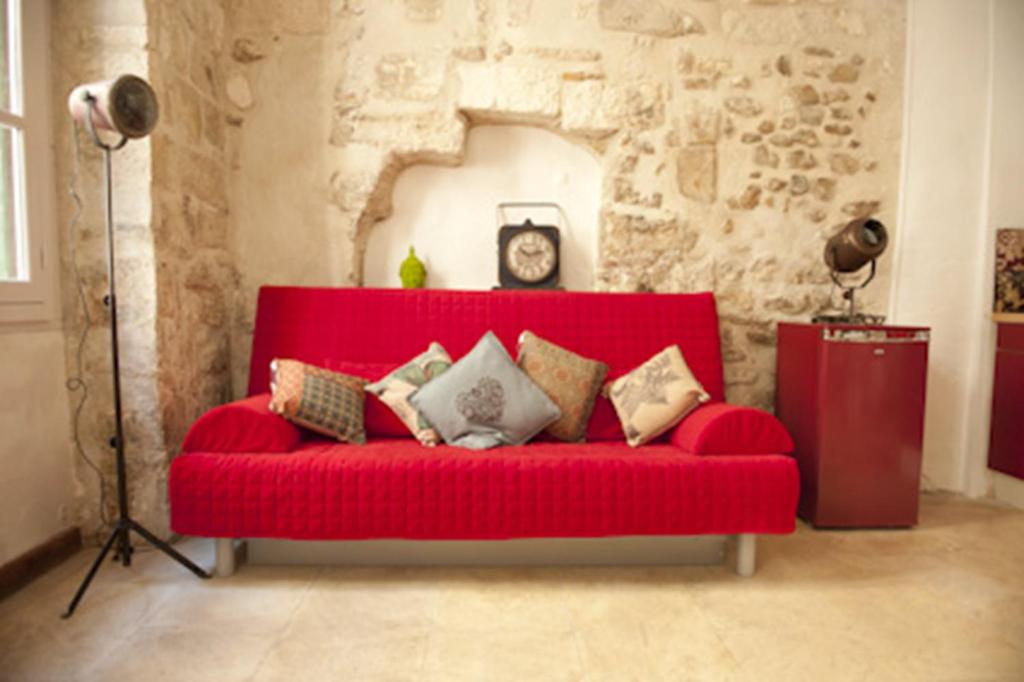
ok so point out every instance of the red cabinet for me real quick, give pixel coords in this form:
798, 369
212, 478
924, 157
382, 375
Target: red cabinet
853, 399
1006, 445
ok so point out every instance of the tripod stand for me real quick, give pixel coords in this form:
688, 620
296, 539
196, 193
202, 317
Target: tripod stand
121, 534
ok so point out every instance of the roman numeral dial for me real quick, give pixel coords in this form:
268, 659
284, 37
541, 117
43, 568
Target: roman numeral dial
530, 256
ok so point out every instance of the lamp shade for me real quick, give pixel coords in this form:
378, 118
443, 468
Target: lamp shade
860, 242
126, 104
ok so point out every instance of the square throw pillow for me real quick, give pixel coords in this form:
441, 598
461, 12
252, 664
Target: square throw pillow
570, 380
484, 400
327, 402
655, 396
396, 387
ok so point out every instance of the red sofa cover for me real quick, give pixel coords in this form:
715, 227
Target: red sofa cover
244, 472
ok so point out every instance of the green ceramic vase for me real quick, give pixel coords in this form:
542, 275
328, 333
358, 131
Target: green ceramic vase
412, 273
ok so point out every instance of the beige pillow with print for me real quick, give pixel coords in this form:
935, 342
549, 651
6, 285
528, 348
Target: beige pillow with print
570, 380
656, 396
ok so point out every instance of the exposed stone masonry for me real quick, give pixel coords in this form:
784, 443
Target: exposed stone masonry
734, 136
90, 38
195, 274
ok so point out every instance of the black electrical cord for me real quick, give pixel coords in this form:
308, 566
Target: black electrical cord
76, 382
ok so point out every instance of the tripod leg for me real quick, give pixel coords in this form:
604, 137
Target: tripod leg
92, 573
168, 550
124, 547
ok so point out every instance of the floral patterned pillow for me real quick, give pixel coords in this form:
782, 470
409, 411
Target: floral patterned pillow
394, 390
570, 380
656, 396
327, 402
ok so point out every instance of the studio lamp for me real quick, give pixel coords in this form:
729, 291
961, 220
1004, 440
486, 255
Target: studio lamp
127, 107
859, 243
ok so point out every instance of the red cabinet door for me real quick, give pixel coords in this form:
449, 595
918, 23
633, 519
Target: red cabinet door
872, 421
1006, 447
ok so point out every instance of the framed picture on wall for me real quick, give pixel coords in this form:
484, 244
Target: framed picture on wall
1009, 270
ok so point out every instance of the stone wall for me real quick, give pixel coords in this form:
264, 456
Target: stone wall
175, 278
195, 276
281, 63
94, 40
734, 135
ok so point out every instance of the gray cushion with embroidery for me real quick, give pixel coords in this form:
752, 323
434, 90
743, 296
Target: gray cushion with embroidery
485, 400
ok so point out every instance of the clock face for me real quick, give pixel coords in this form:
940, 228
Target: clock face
530, 256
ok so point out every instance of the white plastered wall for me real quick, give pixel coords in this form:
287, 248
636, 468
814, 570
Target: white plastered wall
1005, 206
35, 454
961, 156
35, 460
448, 214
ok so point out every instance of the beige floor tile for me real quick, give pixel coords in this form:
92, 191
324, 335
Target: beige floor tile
537, 653
638, 633
943, 602
256, 601
159, 654
395, 655
36, 644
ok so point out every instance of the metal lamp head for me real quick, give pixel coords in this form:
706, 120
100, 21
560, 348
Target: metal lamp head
126, 105
859, 243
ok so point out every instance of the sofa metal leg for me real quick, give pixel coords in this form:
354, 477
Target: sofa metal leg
746, 554
225, 557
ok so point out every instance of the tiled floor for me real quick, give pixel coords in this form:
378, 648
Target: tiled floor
942, 602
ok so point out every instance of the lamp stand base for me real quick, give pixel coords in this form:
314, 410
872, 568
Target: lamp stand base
120, 536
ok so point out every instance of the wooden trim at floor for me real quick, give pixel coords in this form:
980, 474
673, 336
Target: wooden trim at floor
21, 570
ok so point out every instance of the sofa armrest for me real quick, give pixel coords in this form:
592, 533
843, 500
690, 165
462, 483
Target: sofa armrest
242, 426
723, 429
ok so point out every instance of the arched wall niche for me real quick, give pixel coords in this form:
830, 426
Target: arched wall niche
448, 212
443, 143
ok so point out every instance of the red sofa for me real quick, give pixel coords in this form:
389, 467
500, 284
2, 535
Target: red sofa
247, 473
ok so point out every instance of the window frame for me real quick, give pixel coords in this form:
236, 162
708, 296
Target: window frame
33, 301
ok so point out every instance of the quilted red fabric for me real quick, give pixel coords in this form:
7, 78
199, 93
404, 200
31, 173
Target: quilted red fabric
243, 426
238, 480
723, 429
399, 489
386, 327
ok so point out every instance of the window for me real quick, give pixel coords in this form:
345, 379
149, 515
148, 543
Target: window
13, 265
27, 275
